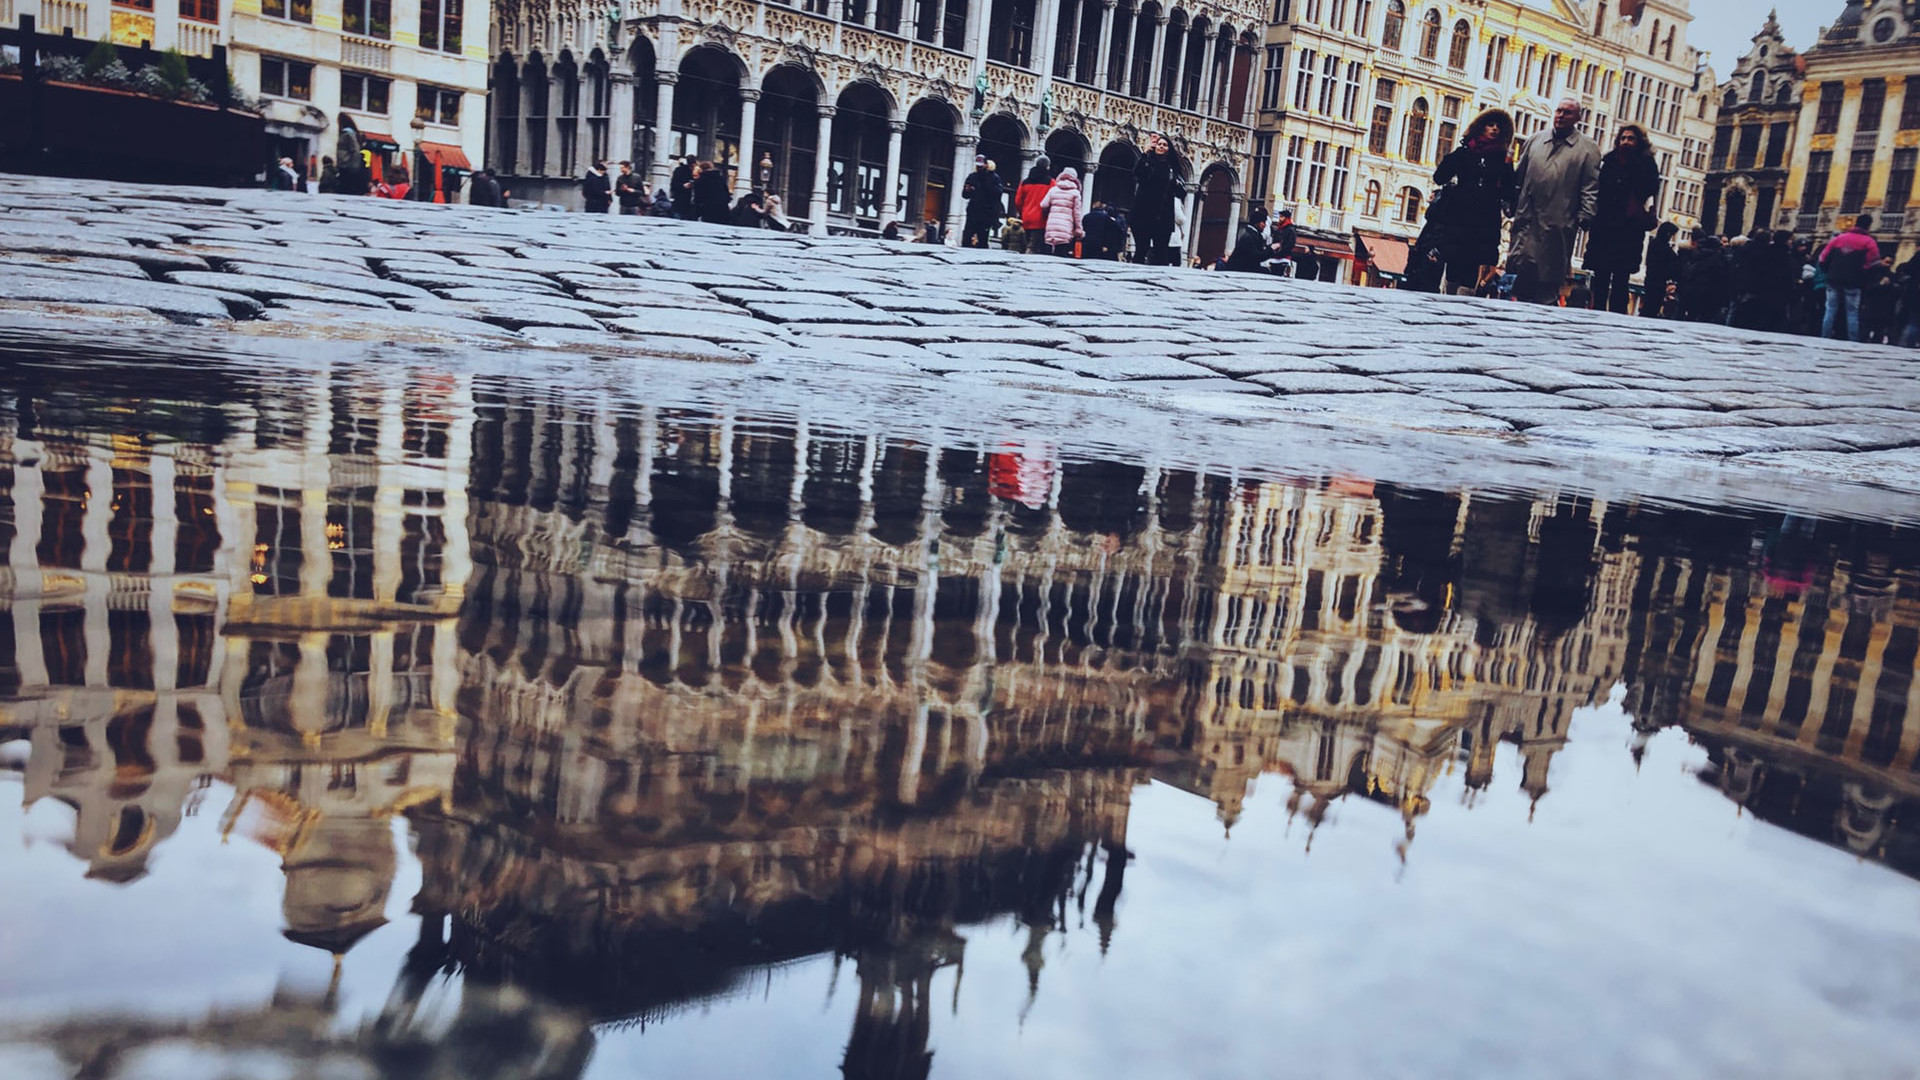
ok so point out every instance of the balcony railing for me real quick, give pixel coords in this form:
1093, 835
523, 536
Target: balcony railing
1890, 223
63, 16
196, 38
359, 52
1806, 222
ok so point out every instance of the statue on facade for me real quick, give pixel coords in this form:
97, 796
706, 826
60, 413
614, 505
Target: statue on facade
1046, 109
982, 86
613, 24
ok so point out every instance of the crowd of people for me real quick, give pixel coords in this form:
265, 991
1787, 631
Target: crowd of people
1534, 203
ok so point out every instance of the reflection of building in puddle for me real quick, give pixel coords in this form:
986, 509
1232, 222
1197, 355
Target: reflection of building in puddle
1794, 666
715, 695
272, 608
1360, 643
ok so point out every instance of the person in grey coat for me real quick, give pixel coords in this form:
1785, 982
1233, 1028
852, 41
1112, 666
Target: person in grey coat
1558, 192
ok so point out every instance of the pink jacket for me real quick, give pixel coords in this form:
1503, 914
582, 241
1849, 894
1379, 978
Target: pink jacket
1062, 205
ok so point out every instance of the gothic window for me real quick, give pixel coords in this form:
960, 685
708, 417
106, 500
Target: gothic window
1430, 36
1395, 25
1462, 37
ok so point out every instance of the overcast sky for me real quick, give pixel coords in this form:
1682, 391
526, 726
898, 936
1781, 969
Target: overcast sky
1725, 28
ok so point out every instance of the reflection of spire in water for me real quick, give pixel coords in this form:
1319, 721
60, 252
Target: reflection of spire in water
729, 693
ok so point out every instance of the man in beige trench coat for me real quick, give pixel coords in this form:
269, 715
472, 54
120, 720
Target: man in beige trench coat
1559, 184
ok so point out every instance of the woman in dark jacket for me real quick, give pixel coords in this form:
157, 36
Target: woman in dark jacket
1473, 186
1663, 271
1629, 180
1156, 187
712, 202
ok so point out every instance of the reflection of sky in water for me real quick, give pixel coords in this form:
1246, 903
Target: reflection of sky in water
731, 732
1637, 925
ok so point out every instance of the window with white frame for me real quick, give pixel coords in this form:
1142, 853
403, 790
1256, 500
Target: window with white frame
365, 93
1342, 173
1290, 172
1303, 79
1317, 174
1350, 92
1329, 84
1274, 78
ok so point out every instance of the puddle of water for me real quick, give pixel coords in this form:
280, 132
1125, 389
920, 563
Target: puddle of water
380, 721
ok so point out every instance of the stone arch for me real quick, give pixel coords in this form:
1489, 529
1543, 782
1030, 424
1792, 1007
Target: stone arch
1113, 180
706, 105
787, 130
886, 95
857, 159
926, 159
1004, 139
503, 103
1068, 146
1194, 66
1218, 193
646, 103
536, 100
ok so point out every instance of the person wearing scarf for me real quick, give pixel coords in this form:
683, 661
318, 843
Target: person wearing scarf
1473, 188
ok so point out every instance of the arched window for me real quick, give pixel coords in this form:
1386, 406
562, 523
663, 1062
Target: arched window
1759, 91
1668, 51
1396, 24
1371, 208
1410, 206
1732, 99
1430, 36
1653, 40
1600, 19
1417, 130
1462, 37
1785, 96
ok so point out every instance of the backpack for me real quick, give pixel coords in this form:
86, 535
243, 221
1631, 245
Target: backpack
1847, 268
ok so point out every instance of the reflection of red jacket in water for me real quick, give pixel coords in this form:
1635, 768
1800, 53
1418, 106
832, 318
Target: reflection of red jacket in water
1020, 479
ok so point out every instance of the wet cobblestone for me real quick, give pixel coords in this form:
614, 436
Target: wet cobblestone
1238, 349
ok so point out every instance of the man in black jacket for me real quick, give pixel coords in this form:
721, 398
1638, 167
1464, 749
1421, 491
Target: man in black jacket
1252, 250
595, 191
680, 189
985, 207
629, 189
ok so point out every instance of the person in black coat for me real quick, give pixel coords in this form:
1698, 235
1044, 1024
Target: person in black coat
630, 190
1629, 180
1156, 188
1473, 187
986, 205
751, 211
1704, 275
680, 189
1252, 250
1663, 271
596, 191
712, 202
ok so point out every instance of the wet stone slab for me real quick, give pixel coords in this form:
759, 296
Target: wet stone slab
1615, 385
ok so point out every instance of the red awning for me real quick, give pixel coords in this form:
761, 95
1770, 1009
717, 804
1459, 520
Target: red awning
373, 139
1389, 254
1331, 249
444, 155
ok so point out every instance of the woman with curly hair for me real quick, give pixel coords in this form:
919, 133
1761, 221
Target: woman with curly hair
1622, 217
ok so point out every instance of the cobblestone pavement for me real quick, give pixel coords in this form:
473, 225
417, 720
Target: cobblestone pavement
1533, 387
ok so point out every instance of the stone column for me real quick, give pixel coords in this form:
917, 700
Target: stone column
889, 193
620, 120
939, 23
1170, 94
749, 117
821, 158
1155, 59
1103, 55
662, 169
963, 150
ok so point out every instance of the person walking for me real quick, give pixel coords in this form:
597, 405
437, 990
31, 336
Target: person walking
712, 202
1557, 187
1156, 188
680, 188
1663, 269
1026, 205
1252, 248
1063, 205
596, 193
985, 206
1473, 187
1622, 217
630, 191
1845, 259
